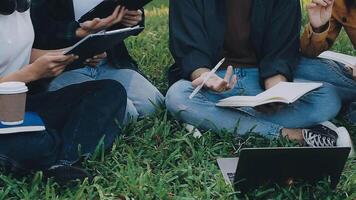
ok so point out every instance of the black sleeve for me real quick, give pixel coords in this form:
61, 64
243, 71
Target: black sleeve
188, 41
51, 33
280, 51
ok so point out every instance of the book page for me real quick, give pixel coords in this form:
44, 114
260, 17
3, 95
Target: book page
290, 92
348, 60
283, 92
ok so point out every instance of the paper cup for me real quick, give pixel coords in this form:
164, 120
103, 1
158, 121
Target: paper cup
12, 102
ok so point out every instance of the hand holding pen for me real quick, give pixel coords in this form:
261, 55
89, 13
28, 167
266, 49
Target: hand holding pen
213, 82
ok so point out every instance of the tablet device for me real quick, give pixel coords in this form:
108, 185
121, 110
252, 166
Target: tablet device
107, 7
261, 166
98, 43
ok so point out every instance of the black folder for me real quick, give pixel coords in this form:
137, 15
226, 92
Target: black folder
98, 43
107, 7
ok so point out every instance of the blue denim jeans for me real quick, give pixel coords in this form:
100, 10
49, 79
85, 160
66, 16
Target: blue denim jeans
315, 107
143, 97
334, 73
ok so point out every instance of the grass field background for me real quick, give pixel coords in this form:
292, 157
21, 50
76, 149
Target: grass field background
157, 159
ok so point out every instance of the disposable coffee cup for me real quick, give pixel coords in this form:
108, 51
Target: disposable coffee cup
12, 102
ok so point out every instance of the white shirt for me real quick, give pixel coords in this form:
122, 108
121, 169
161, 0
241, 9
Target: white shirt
83, 6
16, 40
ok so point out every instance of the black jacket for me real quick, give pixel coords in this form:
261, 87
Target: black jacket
197, 29
55, 27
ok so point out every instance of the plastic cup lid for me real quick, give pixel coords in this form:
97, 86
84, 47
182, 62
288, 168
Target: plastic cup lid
13, 88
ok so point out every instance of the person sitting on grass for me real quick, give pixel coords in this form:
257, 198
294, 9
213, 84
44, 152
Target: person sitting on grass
327, 18
260, 41
56, 27
77, 118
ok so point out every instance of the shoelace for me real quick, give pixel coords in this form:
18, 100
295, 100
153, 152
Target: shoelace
316, 140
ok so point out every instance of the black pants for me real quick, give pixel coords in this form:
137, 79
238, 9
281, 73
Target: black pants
76, 117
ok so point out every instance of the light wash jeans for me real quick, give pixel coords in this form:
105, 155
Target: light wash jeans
143, 97
315, 107
334, 73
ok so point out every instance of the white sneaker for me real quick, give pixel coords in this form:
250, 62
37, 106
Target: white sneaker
193, 130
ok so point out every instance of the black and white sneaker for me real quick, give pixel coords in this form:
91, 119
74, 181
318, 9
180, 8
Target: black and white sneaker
64, 174
323, 135
320, 136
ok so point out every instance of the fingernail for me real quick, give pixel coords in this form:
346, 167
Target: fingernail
87, 60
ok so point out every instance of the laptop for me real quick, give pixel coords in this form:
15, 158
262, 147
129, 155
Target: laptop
262, 166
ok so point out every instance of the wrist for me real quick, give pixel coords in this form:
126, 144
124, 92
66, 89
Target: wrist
30, 73
321, 28
274, 80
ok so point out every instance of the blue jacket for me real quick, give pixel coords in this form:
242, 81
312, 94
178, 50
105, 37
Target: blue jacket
197, 29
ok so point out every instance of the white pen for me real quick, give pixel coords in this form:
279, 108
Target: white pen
197, 89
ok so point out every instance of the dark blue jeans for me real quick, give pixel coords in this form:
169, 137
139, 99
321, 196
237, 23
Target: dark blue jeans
77, 117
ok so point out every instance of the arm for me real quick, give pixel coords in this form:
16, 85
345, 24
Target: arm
51, 33
314, 42
280, 51
44, 64
189, 42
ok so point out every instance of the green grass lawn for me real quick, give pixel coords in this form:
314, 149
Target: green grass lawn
157, 159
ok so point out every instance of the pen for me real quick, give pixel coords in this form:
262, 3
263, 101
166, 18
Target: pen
197, 89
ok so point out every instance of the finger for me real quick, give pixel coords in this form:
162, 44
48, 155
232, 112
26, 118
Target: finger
133, 18
321, 3
222, 86
233, 82
133, 12
120, 15
99, 57
129, 22
228, 75
92, 60
312, 5
58, 71
197, 82
61, 58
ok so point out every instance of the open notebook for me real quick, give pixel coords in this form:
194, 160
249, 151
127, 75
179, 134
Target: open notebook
283, 92
347, 60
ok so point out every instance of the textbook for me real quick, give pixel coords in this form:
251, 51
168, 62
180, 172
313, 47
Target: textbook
98, 43
107, 7
283, 92
32, 122
349, 61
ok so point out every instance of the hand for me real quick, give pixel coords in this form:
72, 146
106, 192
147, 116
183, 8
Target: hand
320, 12
274, 80
215, 83
49, 65
97, 24
132, 18
93, 62
272, 107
